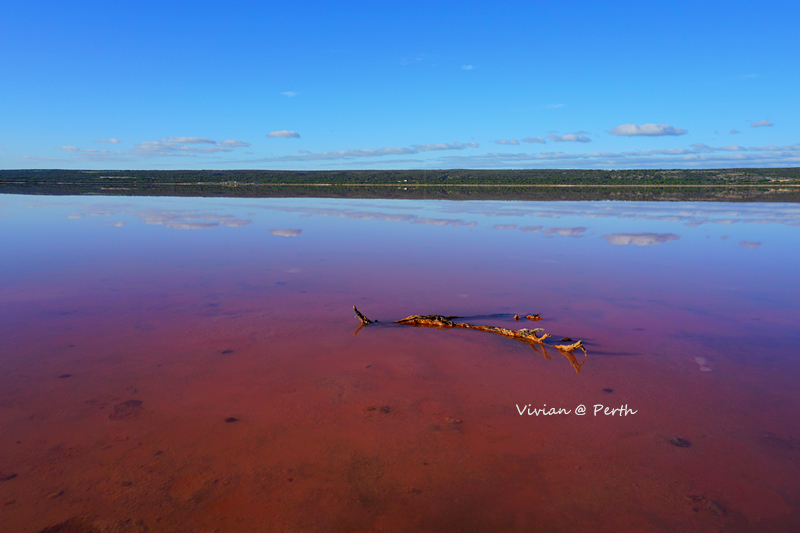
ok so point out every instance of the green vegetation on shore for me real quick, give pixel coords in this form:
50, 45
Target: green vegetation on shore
743, 184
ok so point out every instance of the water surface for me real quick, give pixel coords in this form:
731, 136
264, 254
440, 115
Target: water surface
133, 328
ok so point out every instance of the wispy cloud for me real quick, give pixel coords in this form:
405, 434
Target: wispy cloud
182, 146
513, 142
654, 130
467, 67
188, 140
537, 140
640, 239
290, 94
111, 140
443, 146
699, 155
751, 245
760, 124
569, 137
166, 147
283, 134
379, 152
735, 131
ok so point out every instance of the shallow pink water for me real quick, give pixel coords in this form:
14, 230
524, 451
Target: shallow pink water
396, 428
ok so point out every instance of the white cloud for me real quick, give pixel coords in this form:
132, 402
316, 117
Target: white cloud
733, 148
530, 229
760, 124
505, 226
647, 129
569, 137
290, 94
286, 232
233, 144
111, 140
283, 134
71, 148
188, 140
640, 239
537, 140
735, 131
467, 67
698, 156
165, 147
510, 141
75, 216
443, 146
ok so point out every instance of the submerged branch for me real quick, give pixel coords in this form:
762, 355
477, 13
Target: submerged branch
528, 336
364, 320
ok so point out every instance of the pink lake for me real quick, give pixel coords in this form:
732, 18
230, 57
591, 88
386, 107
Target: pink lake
133, 328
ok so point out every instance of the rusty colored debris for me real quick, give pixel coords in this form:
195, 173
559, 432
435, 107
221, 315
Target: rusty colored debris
440, 321
364, 320
528, 336
571, 347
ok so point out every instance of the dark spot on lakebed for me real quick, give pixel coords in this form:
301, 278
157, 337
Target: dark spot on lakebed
386, 409
8, 477
73, 525
679, 442
226, 352
62, 376
231, 419
130, 410
608, 391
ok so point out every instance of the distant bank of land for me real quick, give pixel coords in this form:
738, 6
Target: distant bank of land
731, 185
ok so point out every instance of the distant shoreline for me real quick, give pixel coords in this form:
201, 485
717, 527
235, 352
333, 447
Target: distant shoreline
719, 185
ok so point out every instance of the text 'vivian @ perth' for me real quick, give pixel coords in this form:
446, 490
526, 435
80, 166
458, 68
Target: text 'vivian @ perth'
622, 410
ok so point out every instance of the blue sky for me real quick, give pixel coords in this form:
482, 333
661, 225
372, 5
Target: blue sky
318, 85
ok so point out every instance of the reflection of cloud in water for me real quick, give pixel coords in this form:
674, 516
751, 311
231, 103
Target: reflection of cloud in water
505, 226
189, 219
530, 229
372, 215
115, 224
751, 245
182, 219
75, 216
640, 239
692, 214
443, 222
286, 232
566, 232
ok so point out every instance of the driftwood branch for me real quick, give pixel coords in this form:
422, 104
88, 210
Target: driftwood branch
447, 322
364, 320
528, 336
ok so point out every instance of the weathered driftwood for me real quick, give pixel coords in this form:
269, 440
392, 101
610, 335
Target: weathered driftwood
364, 320
525, 335
571, 347
439, 321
